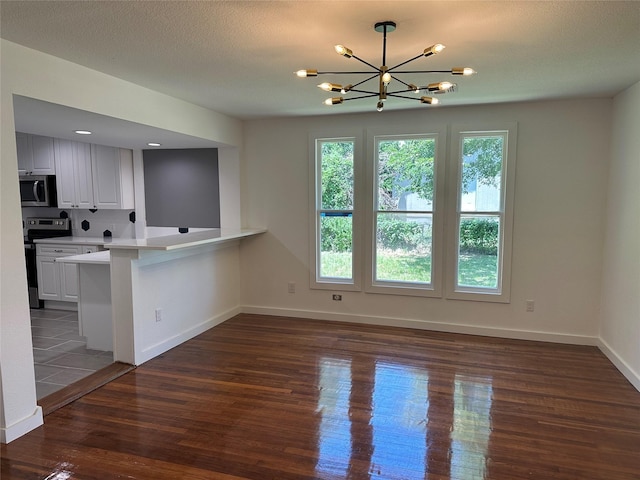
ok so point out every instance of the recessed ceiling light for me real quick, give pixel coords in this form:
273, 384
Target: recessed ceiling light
83, 132
154, 144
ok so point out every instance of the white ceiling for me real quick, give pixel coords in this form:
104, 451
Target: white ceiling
238, 57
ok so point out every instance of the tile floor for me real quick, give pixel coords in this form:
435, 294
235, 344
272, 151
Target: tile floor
60, 355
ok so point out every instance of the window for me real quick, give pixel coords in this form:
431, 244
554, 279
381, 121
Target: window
404, 216
479, 262
401, 195
334, 200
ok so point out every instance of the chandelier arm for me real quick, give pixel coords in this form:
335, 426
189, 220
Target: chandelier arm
402, 96
398, 80
366, 63
423, 71
365, 91
405, 62
364, 81
401, 91
362, 96
347, 73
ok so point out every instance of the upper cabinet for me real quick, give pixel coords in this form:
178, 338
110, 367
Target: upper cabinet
73, 180
35, 154
93, 176
112, 171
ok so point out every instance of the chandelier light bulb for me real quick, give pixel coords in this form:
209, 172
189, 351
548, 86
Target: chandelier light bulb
306, 73
380, 106
330, 87
429, 100
344, 51
439, 87
414, 88
386, 78
346, 88
433, 49
334, 101
462, 71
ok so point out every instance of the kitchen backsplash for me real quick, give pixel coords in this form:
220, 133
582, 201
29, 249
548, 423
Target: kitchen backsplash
85, 223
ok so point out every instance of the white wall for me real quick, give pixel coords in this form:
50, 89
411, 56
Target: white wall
34, 74
193, 288
560, 198
620, 316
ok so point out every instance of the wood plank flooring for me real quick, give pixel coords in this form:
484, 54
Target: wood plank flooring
279, 398
70, 393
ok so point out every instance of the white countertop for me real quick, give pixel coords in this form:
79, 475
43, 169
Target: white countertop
165, 242
95, 258
183, 240
72, 241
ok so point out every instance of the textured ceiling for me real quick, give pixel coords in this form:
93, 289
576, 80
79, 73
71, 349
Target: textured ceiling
238, 57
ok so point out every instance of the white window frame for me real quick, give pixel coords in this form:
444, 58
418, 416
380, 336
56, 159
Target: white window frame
446, 209
501, 294
433, 289
315, 204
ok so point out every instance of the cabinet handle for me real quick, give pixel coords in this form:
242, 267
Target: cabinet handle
57, 251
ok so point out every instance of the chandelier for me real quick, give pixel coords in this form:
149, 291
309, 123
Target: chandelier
385, 74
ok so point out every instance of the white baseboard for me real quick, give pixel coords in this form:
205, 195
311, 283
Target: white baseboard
18, 429
426, 325
171, 342
620, 364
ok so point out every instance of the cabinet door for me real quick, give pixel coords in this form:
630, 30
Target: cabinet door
68, 282
48, 278
43, 157
65, 177
25, 153
112, 170
84, 182
73, 178
106, 176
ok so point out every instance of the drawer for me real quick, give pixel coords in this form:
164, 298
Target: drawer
61, 250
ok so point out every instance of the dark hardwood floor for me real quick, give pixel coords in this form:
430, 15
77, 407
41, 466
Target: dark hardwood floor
276, 398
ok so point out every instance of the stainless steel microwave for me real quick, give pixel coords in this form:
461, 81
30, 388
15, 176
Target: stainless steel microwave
38, 191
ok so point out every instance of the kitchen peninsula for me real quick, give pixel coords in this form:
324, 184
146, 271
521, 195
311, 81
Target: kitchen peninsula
164, 290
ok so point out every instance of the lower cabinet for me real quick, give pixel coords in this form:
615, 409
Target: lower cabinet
59, 281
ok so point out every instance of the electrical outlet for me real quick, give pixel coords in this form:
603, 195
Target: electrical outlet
337, 297
531, 305
292, 287
158, 314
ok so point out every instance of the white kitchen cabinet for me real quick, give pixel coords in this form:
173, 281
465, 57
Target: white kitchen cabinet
48, 278
93, 176
112, 171
58, 281
68, 282
35, 154
73, 179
